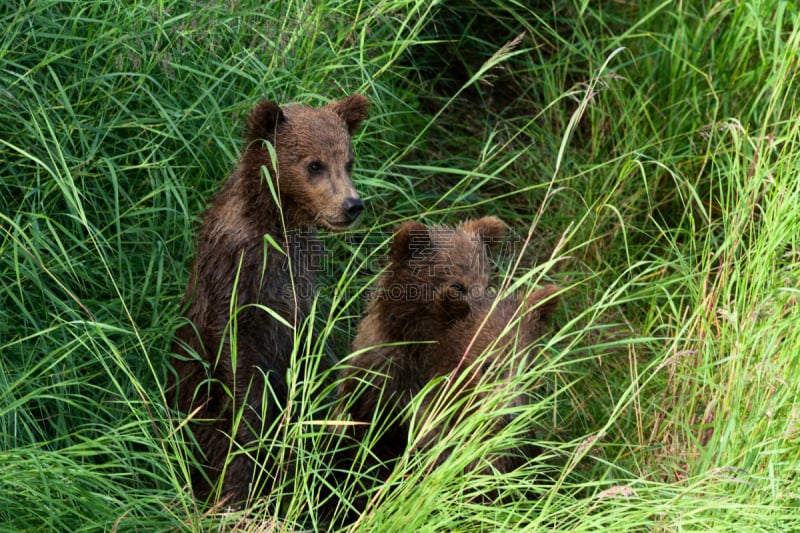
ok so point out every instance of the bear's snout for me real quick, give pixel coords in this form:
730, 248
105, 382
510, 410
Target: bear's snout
352, 208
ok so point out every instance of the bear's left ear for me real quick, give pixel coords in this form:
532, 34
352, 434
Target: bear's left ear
491, 230
353, 110
411, 239
264, 119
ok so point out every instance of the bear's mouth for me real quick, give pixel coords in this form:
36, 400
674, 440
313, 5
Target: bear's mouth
337, 224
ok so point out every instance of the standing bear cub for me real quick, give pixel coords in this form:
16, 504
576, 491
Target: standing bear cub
432, 316
250, 290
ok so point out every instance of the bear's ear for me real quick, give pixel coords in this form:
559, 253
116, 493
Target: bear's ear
541, 305
411, 239
491, 230
452, 303
263, 121
353, 110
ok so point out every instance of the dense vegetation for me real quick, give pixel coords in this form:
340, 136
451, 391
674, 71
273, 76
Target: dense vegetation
647, 155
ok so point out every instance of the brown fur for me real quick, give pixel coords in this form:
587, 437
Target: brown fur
236, 268
482, 353
433, 301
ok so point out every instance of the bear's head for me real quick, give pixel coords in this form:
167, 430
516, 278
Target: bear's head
312, 174
431, 264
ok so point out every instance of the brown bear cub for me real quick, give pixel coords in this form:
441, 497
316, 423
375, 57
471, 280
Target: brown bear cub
251, 287
432, 315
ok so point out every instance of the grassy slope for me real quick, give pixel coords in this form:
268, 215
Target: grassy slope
655, 149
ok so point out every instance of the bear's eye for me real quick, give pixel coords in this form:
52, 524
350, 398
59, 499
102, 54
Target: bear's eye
458, 288
349, 166
486, 366
315, 167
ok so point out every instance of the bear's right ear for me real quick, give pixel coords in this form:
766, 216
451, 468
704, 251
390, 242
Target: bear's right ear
410, 238
542, 304
353, 110
263, 121
491, 230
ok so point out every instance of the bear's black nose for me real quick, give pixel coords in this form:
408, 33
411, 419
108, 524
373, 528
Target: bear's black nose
352, 207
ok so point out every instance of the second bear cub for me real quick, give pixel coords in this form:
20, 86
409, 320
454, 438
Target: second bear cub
432, 315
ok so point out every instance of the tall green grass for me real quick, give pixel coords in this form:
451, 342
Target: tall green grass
647, 154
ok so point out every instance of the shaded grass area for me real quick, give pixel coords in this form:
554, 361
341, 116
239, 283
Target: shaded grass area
650, 152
